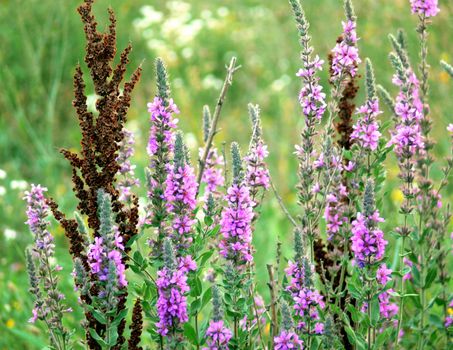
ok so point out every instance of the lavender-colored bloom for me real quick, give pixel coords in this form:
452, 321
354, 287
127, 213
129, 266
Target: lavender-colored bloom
37, 213
311, 97
180, 195
161, 133
126, 175
368, 243
383, 274
218, 336
105, 253
450, 128
428, 8
387, 309
257, 174
236, 225
334, 212
172, 289
366, 129
288, 340
213, 172
407, 136
43, 278
345, 54
259, 309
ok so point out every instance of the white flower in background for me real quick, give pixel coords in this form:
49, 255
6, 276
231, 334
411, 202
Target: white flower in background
150, 16
2, 191
191, 141
178, 7
280, 83
211, 82
187, 52
18, 184
2, 174
223, 11
9, 234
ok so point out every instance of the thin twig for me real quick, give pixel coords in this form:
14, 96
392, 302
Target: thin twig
282, 205
272, 289
231, 69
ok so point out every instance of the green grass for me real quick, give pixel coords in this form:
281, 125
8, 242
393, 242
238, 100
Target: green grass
42, 41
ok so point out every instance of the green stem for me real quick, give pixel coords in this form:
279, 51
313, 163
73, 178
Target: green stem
400, 315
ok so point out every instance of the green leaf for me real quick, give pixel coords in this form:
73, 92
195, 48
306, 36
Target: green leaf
374, 311
195, 307
430, 277
190, 334
97, 337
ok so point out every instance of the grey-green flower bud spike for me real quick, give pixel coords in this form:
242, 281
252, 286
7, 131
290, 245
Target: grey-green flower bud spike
302, 24
210, 205
163, 87
308, 282
179, 151
31, 270
287, 320
82, 227
169, 255
370, 80
401, 37
349, 10
217, 304
368, 199
386, 97
401, 53
398, 65
298, 245
254, 113
104, 213
80, 276
206, 122
236, 162
447, 68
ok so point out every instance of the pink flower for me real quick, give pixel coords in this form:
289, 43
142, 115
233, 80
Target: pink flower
383, 274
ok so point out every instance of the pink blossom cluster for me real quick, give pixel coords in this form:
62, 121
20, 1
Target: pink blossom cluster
428, 8
180, 195
218, 336
213, 173
235, 225
101, 255
366, 130
306, 299
37, 212
257, 175
126, 175
368, 243
162, 125
311, 97
345, 54
407, 136
288, 340
172, 288
334, 212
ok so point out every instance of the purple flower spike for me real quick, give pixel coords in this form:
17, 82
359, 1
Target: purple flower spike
428, 8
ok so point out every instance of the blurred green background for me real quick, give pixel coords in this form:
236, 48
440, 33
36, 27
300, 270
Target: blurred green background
42, 41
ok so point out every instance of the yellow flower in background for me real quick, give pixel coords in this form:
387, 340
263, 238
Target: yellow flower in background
397, 195
17, 305
10, 323
267, 329
444, 77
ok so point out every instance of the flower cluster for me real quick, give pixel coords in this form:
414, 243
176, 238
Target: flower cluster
161, 133
334, 213
257, 174
180, 195
37, 213
236, 225
311, 97
48, 304
387, 309
127, 179
407, 136
366, 130
345, 54
428, 8
105, 253
218, 336
213, 173
368, 243
288, 340
172, 288
305, 299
